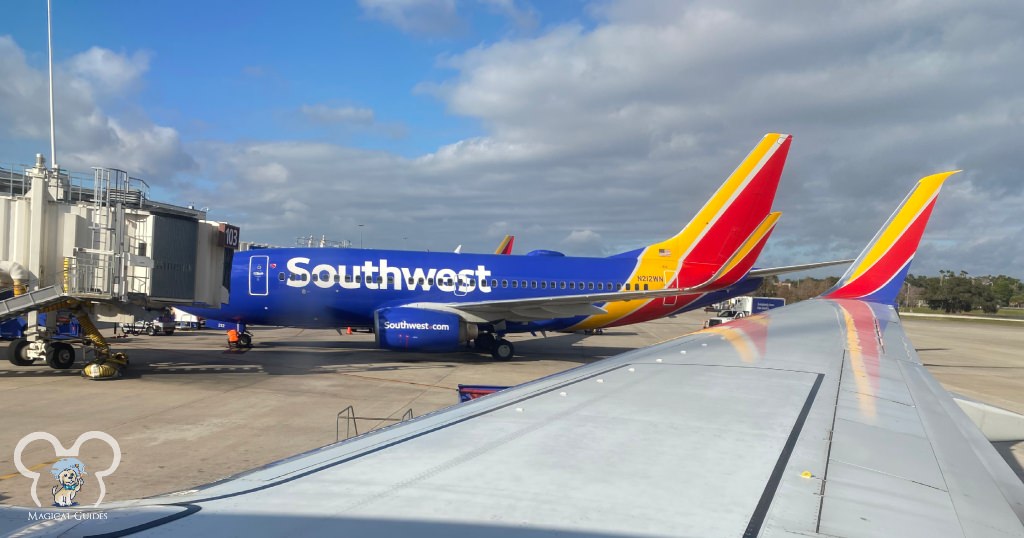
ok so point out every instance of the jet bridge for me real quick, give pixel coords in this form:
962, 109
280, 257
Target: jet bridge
97, 246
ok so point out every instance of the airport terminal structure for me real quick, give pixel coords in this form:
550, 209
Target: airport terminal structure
97, 247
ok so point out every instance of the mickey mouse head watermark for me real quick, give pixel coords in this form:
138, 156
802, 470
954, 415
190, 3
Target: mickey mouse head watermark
69, 472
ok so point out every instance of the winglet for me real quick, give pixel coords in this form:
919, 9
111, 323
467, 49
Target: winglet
879, 271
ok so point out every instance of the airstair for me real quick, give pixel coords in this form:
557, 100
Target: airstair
33, 300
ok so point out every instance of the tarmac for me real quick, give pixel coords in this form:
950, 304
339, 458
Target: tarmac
192, 412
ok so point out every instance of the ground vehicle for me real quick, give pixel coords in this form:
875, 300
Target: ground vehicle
755, 305
151, 328
724, 316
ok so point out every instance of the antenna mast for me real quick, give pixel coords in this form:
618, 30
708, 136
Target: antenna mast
49, 46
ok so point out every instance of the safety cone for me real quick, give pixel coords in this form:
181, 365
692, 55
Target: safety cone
349, 331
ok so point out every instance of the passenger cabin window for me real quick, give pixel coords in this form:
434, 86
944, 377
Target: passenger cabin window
572, 285
430, 281
515, 283
543, 284
553, 284
337, 278
280, 276
645, 287
504, 283
600, 285
590, 285
581, 285
533, 284
494, 283
627, 286
348, 278
359, 278
562, 285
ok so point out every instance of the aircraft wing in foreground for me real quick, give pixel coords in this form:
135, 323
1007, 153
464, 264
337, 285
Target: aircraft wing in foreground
815, 419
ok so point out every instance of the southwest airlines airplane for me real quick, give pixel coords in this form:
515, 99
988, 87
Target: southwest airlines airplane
814, 419
432, 301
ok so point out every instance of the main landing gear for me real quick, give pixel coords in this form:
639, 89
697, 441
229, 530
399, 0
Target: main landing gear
500, 348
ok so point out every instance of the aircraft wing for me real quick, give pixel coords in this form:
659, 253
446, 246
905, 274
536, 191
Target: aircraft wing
813, 419
535, 308
772, 271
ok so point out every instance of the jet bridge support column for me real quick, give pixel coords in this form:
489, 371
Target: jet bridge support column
39, 197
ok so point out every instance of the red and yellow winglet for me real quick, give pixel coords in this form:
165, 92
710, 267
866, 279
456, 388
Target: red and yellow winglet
879, 271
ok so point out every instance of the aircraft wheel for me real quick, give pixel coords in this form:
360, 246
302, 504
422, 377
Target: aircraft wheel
484, 342
61, 357
19, 353
245, 340
503, 350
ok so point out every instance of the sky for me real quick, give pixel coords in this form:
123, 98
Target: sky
588, 127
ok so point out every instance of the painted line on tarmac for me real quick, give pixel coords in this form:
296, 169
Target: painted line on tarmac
32, 468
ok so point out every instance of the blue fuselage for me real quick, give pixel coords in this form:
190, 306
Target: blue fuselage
335, 288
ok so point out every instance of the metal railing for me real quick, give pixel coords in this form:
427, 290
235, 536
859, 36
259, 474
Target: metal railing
349, 413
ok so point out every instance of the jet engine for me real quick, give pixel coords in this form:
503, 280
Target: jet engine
413, 329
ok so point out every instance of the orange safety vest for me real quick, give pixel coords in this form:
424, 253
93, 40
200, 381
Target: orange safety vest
232, 336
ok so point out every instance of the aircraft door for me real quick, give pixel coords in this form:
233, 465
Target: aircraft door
259, 281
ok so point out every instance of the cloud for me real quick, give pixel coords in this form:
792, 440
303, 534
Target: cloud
441, 18
342, 115
425, 17
585, 241
109, 72
86, 135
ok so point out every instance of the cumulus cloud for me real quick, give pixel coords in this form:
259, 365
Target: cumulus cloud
86, 135
107, 71
605, 135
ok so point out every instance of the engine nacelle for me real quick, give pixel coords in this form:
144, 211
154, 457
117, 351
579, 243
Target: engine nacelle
413, 329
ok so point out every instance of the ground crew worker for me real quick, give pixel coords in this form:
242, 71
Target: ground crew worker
232, 338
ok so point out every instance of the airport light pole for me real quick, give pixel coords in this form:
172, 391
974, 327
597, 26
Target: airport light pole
360, 236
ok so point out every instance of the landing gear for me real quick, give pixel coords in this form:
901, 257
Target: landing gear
19, 353
502, 350
245, 339
61, 356
484, 342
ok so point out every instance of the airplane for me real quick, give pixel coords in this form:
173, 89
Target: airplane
440, 301
812, 419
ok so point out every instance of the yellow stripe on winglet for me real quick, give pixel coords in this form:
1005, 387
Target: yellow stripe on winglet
925, 191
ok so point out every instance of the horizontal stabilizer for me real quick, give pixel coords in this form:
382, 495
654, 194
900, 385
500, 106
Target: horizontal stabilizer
772, 271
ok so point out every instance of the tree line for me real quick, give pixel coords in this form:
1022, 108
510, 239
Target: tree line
950, 292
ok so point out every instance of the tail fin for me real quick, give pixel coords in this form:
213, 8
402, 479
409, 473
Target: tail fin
727, 220
879, 271
505, 247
